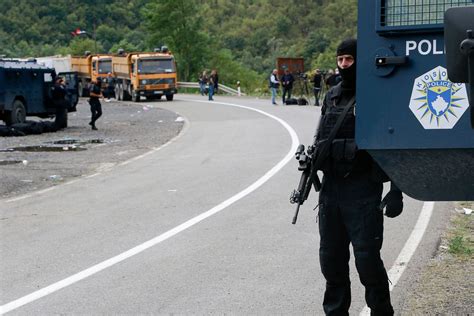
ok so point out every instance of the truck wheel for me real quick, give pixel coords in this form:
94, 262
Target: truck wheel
126, 94
169, 97
135, 96
117, 91
17, 114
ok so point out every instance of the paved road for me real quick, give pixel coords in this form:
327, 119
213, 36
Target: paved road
240, 257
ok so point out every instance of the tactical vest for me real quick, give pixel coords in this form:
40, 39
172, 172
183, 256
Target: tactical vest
344, 159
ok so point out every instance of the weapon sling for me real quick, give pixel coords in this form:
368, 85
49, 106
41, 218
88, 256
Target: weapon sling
322, 156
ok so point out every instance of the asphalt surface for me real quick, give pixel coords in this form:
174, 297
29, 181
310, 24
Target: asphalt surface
241, 257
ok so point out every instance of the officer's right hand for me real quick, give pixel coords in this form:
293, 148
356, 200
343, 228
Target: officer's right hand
393, 203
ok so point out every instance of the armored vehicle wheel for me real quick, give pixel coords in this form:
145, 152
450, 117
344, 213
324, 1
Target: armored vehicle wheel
17, 114
169, 97
126, 93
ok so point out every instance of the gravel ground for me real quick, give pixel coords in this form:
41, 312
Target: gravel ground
125, 130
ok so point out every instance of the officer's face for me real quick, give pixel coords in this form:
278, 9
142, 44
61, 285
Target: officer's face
345, 61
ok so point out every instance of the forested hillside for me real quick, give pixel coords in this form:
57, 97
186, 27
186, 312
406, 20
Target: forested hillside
240, 38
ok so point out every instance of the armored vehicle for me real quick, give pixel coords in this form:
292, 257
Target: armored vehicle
25, 90
410, 116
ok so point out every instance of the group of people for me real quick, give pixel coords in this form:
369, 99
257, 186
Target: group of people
330, 79
59, 93
286, 82
209, 85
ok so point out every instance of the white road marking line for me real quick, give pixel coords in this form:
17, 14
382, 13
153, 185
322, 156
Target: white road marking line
408, 249
170, 233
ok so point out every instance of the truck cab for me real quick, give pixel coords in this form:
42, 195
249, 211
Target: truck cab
151, 75
91, 67
410, 117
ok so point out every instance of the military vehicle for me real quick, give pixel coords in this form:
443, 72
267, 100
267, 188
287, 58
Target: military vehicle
412, 116
25, 90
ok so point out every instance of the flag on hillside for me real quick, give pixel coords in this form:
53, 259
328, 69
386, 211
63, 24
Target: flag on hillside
78, 32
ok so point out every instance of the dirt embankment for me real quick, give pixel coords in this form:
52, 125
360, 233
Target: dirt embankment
446, 285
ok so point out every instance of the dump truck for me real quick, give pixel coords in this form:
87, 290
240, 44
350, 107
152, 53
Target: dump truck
148, 74
92, 67
25, 90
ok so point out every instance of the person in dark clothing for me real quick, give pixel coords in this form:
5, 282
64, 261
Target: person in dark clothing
287, 84
317, 81
216, 81
332, 79
96, 107
212, 84
351, 208
58, 95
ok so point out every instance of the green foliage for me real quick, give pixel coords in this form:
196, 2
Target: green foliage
461, 236
177, 23
239, 38
459, 245
231, 71
80, 45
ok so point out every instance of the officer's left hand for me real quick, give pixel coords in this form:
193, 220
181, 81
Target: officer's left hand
393, 202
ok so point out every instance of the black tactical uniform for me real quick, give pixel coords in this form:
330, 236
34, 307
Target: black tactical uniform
350, 200
96, 107
58, 95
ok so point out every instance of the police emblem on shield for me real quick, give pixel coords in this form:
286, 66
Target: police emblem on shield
437, 102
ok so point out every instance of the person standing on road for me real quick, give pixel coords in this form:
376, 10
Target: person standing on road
274, 85
216, 81
317, 84
203, 83
287, 84
96, 107
351, 208
58, 94
211, 83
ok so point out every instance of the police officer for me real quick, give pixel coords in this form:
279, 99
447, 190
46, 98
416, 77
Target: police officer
351, 210
96, 107
58, 95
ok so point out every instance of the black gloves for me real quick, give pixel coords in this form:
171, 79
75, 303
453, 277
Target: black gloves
393, 202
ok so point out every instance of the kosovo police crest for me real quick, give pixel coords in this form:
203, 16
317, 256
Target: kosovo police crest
437, 102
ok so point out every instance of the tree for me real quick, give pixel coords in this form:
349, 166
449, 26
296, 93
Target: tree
80, 45
177, 24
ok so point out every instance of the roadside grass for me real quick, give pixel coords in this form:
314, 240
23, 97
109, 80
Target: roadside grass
461, 235
445, 286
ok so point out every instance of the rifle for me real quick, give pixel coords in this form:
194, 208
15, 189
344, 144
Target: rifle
312, 160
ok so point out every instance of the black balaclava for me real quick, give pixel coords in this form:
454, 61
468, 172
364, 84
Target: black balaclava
348, 75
